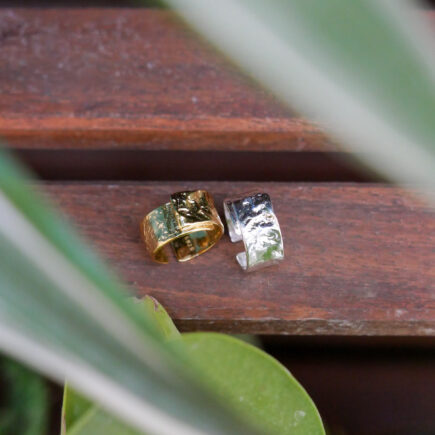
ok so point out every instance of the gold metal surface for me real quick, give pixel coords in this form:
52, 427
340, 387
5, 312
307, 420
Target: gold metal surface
189, 222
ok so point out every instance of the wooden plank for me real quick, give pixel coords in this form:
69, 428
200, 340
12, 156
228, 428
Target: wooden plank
360, 259
131, 79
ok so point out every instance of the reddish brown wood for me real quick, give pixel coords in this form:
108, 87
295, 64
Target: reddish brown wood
136, 79
360, 259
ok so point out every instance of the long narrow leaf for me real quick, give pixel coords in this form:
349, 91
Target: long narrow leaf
365, 69
64, 314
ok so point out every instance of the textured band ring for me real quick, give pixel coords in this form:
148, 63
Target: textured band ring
189, 222
251, 219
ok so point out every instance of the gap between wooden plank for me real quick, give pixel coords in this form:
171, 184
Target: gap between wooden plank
193, 165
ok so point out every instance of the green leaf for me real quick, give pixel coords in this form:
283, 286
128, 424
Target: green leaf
363, 69
155, 311
24, 407
246, 378
79, 414
254, 383
99, 422
63, 313
74, 407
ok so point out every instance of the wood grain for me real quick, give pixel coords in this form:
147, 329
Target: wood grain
360, 259
131, 79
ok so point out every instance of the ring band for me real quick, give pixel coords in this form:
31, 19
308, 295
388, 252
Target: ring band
189, 222
251, 219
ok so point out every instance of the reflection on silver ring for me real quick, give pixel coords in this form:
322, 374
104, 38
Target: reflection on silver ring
251, 219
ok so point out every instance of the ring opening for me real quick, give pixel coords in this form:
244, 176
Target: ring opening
232, 222
192, 244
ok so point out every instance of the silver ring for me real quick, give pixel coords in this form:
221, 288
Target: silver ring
251, 219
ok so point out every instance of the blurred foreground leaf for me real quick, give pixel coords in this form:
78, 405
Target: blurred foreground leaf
80, 414
248, 379
24, 405
64, 314
364, 69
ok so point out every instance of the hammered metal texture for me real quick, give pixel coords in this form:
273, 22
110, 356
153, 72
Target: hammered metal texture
252, 219
193, 207
189, 222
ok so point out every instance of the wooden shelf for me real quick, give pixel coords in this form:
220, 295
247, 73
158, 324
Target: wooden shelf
113, 94
359, 259
131, 78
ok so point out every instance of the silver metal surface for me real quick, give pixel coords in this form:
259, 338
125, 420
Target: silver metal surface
251, 219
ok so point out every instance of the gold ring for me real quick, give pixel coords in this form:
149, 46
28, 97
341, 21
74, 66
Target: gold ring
189, 222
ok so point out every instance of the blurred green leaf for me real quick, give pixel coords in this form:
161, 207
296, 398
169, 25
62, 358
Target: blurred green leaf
98, 422
80, 416
24, 405
64, 314
248, 379
76, 408
364, 69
